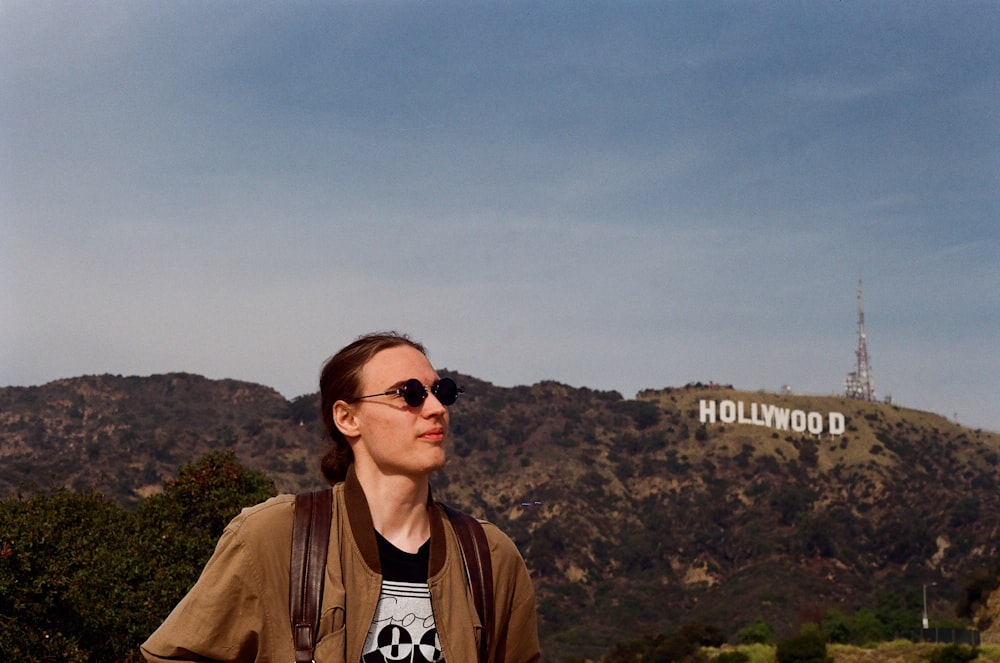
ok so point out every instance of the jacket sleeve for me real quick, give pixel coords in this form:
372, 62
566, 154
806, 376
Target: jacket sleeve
221, 618
516, 639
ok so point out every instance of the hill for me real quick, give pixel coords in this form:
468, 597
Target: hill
126, 435
699, 502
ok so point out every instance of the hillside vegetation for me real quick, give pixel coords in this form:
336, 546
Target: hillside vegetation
633, 516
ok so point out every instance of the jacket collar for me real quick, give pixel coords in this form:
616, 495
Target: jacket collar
363, 529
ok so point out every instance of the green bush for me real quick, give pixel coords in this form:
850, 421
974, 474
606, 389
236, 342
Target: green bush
807, 646
862, 628
866, 628
760, 632
953, 654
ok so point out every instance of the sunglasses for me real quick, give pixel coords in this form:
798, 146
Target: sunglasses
415, 393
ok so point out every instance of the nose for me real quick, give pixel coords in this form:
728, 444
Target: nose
432, 406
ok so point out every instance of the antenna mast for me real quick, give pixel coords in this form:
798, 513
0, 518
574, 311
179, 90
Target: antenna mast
859, 383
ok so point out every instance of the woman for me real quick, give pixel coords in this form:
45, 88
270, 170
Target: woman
395, 586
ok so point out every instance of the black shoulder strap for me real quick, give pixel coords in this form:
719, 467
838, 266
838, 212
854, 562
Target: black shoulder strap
478, 564
310, 541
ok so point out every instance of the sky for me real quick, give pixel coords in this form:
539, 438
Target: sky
613, 195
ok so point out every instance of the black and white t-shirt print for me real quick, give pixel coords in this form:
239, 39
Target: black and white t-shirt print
403, 629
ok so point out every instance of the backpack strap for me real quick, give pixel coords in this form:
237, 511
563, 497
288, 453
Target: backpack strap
479, 567
310, 541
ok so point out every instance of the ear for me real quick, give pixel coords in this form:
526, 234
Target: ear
345, 420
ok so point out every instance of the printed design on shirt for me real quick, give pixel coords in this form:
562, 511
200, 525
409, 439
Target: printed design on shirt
403, 629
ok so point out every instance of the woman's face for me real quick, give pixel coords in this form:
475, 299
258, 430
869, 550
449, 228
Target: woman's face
397, 438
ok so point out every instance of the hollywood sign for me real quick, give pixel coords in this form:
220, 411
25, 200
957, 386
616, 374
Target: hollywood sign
772, 416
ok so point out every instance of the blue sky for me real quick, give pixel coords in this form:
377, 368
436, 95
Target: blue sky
611, 195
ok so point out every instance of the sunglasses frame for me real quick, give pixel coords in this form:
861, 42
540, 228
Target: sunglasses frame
409, 392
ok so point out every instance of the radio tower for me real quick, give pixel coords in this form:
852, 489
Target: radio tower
859, 383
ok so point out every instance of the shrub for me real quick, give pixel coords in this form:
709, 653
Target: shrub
759, 653
760, 632
83, 580
807, 646
735, 656
673, 648
953, 654
704, 635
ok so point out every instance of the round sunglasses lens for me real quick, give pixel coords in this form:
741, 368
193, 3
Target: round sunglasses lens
446, 391
414, 392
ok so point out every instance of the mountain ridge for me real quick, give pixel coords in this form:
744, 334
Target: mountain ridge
634, 515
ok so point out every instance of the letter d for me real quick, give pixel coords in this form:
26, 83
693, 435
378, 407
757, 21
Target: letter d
836, 423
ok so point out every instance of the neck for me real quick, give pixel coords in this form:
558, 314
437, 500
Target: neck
398, 506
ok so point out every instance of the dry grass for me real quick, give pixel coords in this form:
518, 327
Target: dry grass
899, 651
902, 651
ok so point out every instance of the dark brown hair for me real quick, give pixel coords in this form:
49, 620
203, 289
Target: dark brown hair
341, 380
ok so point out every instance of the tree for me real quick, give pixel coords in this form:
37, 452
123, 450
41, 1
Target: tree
897, 613
68, 579
178, 529
836, 626
867, 628
82, 580
206, 495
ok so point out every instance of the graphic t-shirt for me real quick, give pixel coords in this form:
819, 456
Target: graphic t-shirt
403, 629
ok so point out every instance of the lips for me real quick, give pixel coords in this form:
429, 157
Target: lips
433, 434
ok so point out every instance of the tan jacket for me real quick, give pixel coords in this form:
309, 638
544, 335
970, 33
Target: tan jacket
238, 609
